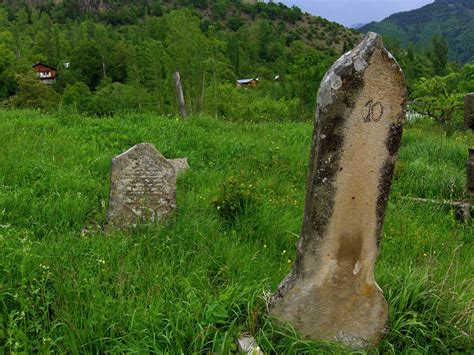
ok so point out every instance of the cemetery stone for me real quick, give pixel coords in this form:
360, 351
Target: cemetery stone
331, 293
142, 186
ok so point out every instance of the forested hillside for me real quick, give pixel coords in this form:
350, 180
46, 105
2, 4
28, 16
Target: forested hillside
117, 56
452, 19
120, 55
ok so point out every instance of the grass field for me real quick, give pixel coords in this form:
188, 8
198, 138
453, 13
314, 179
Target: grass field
196, 283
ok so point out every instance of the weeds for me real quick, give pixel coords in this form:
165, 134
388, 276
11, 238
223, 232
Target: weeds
195, 284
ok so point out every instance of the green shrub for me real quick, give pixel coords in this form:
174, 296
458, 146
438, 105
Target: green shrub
78, 96
32, 93
116, 97
236, 197
247, 104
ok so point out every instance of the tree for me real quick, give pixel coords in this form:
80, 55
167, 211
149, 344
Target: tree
439, 55
78, 96
87, 63
307, 68
433, 98
32, 93
7, 72
153, 68
188, 48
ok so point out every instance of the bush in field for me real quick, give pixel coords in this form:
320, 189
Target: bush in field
247, 104
32, 93
78, 96
434, 100
116, 97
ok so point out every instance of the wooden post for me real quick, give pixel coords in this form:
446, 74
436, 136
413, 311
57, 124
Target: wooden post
179, 94
203, 88
470, 174
469, 111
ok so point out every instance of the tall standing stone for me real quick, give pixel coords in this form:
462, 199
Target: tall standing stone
469, 110
331, 292
142, 186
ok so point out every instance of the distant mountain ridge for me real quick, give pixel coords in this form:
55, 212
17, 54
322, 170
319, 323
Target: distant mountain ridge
357, 25
453, 19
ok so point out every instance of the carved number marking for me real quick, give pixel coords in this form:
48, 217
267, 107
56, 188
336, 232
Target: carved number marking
375, 112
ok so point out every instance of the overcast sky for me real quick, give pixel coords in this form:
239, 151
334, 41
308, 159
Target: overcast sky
349, 12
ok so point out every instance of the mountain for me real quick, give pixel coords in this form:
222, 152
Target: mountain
357, 25
453, 19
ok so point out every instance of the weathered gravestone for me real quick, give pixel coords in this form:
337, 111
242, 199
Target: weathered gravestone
331, 292
469, 110
142, 186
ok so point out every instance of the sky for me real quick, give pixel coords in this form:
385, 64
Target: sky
350, 12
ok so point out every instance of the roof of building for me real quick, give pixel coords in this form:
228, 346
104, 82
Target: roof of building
246, 81
45, 65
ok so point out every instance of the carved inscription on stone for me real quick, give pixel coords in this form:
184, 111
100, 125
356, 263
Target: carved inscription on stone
374, 111
142, 187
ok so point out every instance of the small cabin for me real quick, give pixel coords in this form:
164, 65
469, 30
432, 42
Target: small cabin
45, 72
247, 82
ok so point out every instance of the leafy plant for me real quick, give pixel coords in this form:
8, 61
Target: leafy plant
432, 98
236, 198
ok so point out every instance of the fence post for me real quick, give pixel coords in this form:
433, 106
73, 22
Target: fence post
179, 94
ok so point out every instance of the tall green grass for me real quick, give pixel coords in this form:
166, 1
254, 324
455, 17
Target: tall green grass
196, 283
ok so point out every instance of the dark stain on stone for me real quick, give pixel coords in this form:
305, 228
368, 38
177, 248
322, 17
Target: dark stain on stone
393, 143
349, 249
318, 211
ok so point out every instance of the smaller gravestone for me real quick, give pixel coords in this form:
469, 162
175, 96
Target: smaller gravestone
142, 186
469, 111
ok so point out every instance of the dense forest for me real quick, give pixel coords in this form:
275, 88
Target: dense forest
452, 19
115, 56
117, 61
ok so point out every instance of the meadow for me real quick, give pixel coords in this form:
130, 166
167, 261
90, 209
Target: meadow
196, 283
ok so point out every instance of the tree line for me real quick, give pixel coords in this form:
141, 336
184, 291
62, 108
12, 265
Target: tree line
107, 66
129, 67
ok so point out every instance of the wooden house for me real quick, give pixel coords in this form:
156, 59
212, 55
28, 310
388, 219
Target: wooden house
247, 82
45, 72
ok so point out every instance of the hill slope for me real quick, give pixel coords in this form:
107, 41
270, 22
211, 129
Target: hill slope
453, 19
223, 15
113, 48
